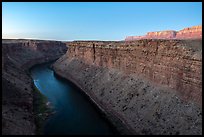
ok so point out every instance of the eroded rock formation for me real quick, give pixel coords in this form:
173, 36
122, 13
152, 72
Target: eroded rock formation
194, 32
189, 33
17, 91
151, 86
161, 35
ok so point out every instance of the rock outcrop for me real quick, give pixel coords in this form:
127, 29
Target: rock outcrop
148, 86
194, 32
161, 35
17, 87
190, 33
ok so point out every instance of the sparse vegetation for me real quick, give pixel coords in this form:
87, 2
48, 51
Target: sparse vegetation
41, 110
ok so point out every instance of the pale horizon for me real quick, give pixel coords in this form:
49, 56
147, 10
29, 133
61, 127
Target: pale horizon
89, 21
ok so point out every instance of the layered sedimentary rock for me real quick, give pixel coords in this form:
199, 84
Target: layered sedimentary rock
188, 33
144, 86
161, 35
194, 32
17, 91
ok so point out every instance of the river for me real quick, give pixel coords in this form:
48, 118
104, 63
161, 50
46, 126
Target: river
75, 114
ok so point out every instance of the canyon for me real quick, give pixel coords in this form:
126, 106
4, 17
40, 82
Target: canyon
194, 32
144, 85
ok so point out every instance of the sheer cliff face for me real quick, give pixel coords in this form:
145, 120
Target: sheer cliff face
143, 83
177, 64
17, 96
24, 53
194, 32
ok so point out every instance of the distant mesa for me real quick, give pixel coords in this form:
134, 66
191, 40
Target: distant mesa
194, 32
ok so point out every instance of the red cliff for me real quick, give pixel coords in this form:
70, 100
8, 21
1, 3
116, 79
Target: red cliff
189, 33
194, 32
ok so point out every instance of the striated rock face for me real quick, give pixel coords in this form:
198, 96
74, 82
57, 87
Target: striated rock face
194, 32
151, 86
161, 35
24, 53
17, 92
189, 33
174, 63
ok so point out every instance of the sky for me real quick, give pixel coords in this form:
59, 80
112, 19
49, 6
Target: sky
69, 21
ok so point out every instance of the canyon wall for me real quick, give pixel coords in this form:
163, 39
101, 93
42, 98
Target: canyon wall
143, 86
194, 32
17, 86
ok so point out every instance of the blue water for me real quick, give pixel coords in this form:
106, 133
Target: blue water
74, 112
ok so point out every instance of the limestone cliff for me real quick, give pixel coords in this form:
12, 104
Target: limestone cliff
17, 96
148, 86
194, 32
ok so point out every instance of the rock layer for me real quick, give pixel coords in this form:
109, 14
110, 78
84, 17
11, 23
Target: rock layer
17, 87
161, 35
152, 86
194, 32
189, 33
